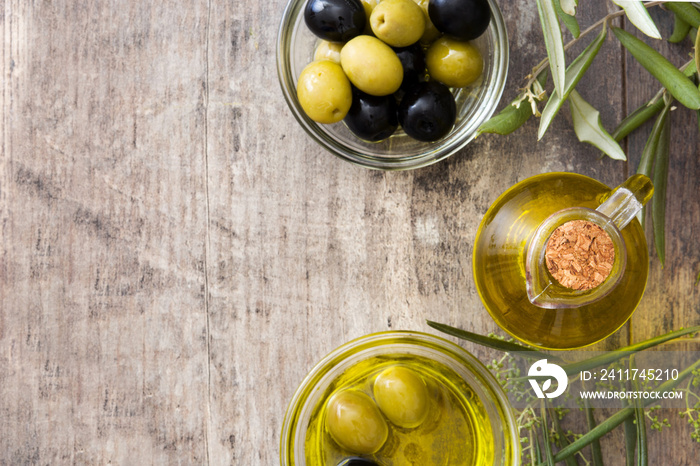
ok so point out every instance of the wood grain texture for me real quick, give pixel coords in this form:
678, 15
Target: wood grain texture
176, 253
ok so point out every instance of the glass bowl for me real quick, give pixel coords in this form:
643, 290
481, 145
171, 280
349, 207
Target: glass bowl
357, 362
475, 104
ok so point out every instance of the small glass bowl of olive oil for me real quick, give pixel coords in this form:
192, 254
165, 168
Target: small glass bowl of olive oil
462, 415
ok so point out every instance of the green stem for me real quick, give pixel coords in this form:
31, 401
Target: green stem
630, 439
596, 452
562, 439
641, 423
549, 460
619, 417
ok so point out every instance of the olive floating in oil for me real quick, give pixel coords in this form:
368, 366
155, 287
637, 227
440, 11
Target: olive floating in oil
357, 462
402, 396
451, 422
355, 423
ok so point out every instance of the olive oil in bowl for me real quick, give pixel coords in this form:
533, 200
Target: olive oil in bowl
464, 418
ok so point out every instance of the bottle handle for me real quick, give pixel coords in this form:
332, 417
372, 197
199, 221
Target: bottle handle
625, 201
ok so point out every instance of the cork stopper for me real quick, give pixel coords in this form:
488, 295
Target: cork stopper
579, 255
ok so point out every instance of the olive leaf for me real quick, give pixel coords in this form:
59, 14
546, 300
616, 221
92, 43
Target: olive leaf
642, 451
514, 115
567, 18
569, 6
697, 51
651, 147
589, 128
686, 12
613, 356
672, 79
639, 16
681, 28
637, 118
553, 42
658, 202
490, 342
647, 110
538, 450
574, 73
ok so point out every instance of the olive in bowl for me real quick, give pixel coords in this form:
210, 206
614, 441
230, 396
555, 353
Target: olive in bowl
371, 65
461, 19
355, 423
475, 104
372, 118
357, 461
324, 91
454, 63
462, 411
427, 112
412, 60
335, 20
398, 23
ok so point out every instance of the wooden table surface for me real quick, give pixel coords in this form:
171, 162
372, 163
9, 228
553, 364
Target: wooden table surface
176, 253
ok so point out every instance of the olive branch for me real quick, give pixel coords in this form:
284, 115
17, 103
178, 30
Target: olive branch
678, 86
544, 442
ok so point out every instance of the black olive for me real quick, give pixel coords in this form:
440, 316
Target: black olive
370, 117
461, 19
427, 112
357, 462
335, 20
413, 63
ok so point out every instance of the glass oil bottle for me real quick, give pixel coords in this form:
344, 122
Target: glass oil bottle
518, 290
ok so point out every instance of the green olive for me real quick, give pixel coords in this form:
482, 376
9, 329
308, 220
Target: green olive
399, 23
369, 5
431, 32
371, 65
402, 396
355, 423
324, 91
454, 63
326, 50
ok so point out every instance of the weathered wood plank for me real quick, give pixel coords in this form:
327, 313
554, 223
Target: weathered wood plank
671, 298
176, 253
103, 332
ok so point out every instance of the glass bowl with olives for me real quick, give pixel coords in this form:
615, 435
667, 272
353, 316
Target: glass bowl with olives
396, 398
392, 84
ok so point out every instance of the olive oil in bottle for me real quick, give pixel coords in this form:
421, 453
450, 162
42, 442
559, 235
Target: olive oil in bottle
501, 266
